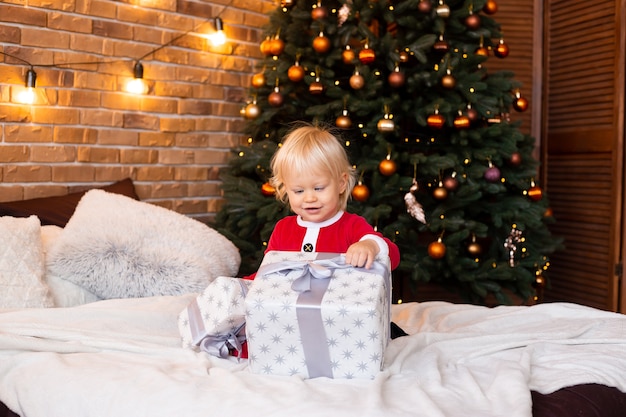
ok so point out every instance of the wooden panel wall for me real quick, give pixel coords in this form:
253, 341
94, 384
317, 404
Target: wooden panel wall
584, 131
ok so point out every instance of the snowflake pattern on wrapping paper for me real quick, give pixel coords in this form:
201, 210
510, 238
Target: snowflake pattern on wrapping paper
354, 314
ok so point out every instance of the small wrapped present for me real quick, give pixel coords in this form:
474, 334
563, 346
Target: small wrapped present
215, 320
313, 315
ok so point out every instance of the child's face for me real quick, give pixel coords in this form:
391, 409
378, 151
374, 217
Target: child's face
315, 196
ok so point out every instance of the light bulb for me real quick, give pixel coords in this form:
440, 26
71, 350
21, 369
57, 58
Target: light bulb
27, 96
218, 37
137, 85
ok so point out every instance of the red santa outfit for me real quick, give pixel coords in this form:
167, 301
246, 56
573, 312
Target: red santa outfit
334, 235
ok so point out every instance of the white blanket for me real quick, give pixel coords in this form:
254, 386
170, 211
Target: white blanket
124, 358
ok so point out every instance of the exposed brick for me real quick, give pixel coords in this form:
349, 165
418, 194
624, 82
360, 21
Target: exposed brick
100, 8
176, 124
79, 98
74, 23
67, 5
47, 115
118, 137
42, 38
194, 140
204, 189
11, 192
112, 29
114, 173
27, 133
133, 14
212, 157
73, 173
65, 134
52, 154
98, 155
26, 173
156, 139
190, 173
189, 206
11, 153
9, 34
155, 173
176, 157
24, 15
101, 117
138, 156
169, 190
86, 43
141, 121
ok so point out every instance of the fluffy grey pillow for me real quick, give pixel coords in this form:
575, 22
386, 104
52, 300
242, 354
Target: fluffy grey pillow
117, 247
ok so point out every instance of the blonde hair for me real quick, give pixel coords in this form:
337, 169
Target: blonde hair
311, 149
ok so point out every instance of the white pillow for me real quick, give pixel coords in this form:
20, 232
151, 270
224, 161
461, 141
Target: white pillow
117, 247
64, 293
22, 264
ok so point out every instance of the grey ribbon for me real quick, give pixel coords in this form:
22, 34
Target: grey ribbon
220, 344
311, 284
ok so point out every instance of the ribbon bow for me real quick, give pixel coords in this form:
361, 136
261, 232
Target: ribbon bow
317, 269
220, 345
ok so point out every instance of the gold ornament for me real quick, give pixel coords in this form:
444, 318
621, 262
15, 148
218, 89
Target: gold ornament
440, 192
252, 111
316, 87
448, 81
443, 10
436, 120
357, 81
474, 248
386, 124
348, 55
343, 121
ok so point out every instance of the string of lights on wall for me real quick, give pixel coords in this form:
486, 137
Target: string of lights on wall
137, 85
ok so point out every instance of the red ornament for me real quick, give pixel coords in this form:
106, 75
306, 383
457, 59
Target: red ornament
367, 55
275, 99
319, 12
515, 159
424, 6
490, 7
396, 78
535, 193
436, 120
501, 50
461, 122
472, 21
520, 104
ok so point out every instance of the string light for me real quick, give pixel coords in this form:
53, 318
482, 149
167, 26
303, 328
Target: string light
27, 95
217, 38
137, 85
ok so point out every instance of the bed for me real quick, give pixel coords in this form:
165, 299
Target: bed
90, 349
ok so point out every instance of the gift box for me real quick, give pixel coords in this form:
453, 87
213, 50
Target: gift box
215, 320
313, 315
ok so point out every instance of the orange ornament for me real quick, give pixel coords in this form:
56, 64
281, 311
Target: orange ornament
348, 55
387, 166
267, 189
277, 46
520, 104
490, 7
258, 80
360, 192
295, 73
501, 50
437, 249
321, 44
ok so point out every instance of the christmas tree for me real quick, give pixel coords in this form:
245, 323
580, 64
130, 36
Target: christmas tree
443, 171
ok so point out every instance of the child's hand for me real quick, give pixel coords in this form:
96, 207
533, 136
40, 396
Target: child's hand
362, 253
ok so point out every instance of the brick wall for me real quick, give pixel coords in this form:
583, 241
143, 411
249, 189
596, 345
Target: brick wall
84, 130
